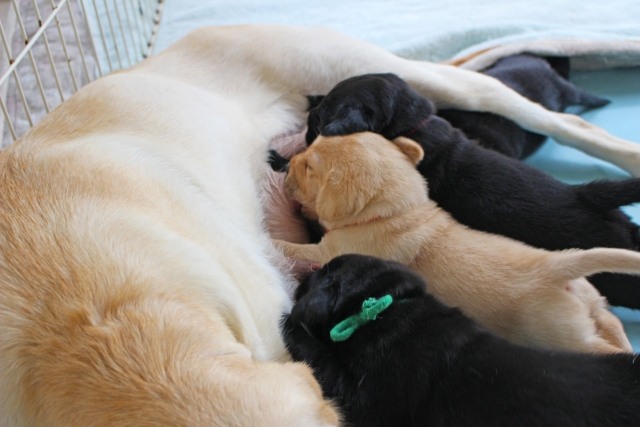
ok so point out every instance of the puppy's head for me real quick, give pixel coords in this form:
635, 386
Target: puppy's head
335, 292
352, 178
381, 103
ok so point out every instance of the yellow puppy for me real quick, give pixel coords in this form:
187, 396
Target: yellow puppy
367, 193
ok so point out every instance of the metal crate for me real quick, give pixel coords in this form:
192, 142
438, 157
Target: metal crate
53, 48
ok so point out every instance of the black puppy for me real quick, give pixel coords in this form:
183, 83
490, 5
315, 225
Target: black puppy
542, 80
484, 189
421, 363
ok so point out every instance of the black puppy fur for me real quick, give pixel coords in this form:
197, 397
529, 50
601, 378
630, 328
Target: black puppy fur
421, 363
484, 189
542, 80
277, 162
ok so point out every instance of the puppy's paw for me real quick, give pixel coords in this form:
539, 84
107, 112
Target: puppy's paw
290, 250
277, 162
316, 253
284, 247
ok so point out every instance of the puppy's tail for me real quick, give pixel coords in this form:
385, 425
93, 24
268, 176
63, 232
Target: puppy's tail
573, 264
585, 99
607, 195
575, 95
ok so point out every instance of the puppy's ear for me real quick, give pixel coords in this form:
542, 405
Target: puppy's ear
349, 119
314, 101
345, 120
312, 312
410, 148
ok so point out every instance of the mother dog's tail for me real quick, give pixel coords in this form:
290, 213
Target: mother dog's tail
572, 264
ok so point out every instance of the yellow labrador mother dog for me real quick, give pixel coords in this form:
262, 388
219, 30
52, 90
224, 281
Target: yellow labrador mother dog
137, 283
371, 200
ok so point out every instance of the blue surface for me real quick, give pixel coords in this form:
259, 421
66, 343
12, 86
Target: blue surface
620, 118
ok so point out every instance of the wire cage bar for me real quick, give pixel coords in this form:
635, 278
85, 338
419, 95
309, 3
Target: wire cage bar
51, 48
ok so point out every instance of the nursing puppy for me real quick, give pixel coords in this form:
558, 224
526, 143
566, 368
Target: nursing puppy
483, 189
423, 363
541, 80
367, 193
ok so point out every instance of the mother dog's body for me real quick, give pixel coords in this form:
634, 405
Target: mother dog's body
132, 267
134, 262
137, 284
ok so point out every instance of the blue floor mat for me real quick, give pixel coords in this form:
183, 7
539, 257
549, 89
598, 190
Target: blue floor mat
620, 118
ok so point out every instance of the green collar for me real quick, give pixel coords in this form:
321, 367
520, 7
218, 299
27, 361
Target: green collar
371, 307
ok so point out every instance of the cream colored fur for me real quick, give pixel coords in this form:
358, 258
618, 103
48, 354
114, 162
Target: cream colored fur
371, 199
138, 285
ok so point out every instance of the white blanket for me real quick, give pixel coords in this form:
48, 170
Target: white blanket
427, 29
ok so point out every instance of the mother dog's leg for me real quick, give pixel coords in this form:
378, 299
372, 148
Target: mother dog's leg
478, 92
313, 60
